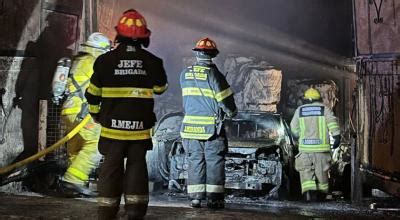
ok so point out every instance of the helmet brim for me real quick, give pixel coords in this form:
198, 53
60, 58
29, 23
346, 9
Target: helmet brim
129, 35
213, 51
97, 48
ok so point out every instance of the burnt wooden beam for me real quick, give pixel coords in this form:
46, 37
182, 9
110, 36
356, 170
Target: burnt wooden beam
356, 183
42, 134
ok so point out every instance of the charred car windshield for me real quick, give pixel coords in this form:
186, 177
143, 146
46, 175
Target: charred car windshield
254, 127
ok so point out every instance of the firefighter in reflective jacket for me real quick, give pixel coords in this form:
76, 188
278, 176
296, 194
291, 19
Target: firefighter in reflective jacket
82, 149
207, 99
120, 97
313, 123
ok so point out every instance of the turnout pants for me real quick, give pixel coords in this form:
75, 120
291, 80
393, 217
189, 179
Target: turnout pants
313, 169
82, 150
206, 168
115, 179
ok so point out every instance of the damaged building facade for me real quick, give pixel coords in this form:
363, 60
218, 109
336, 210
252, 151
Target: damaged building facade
270, 59
36, 35
375, 162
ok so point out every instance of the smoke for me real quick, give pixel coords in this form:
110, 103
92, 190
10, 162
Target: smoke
298, 37
308, 38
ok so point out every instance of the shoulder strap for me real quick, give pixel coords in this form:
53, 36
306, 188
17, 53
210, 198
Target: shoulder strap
79, 87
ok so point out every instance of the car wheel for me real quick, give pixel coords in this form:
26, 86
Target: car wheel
158, 162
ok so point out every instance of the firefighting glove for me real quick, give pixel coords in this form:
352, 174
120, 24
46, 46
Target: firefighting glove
231, 114
336, 143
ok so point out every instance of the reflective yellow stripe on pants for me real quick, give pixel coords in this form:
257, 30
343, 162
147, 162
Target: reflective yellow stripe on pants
199, 188
136, 199
78, 174
323, 187
107, 201
308, 185
215, 188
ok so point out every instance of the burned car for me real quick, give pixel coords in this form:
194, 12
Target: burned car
259, 158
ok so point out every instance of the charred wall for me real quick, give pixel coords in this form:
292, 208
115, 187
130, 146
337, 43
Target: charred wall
35, 34
378, 49
379, 112
377, 26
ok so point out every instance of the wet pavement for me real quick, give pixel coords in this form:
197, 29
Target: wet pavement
163, 206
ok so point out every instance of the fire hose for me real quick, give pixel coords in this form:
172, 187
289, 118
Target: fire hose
58, 144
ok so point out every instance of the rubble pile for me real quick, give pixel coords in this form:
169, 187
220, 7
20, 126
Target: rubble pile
257, 84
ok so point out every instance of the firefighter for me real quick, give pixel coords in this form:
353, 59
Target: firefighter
207, 100
313, 123
82, 149
120, 97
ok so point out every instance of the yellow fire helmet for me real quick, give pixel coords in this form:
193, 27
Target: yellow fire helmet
312, 94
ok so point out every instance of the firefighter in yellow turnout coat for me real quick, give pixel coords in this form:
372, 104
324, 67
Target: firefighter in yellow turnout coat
313, 123
82, 149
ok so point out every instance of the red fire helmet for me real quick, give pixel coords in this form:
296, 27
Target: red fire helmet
205, 44
133, 25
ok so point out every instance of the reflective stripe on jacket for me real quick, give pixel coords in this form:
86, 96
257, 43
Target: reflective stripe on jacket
312, 123
120, 94
206, 97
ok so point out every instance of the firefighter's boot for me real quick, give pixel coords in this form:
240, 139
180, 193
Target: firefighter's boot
321, 196
215, 204
75, 190
195, 203
310, 196
107, 213
137, 211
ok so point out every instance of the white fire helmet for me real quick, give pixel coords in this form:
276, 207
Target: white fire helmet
99, 41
